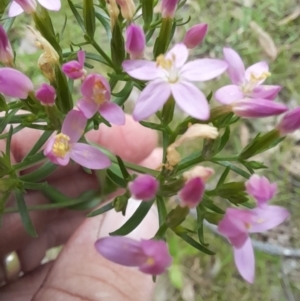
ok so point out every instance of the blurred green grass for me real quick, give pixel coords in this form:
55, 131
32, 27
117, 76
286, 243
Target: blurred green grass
196, 276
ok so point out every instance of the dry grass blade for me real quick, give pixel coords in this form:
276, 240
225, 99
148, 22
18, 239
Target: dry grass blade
291, 17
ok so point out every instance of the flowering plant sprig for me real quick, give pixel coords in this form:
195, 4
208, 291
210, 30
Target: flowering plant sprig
164, 79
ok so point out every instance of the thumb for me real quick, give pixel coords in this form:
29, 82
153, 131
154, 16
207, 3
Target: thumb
80, 273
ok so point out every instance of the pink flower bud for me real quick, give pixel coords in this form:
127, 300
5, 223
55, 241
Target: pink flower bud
150, 256
6, 52
195, 35
135, 41
290, 122
144, 187
255, 108
168, 8
192, 192
46, 94
75, 69
14, 83
261, 189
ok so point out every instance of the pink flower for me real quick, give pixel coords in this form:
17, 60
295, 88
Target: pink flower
261, 189
14, 83
168, 8
96, 98
6, 52
144, 187
135, 41
237, 223
46, 94
17, 7
169, 75
75, 69
195, 35
192, 192
245, 83
150, 256
64, 146
290, 122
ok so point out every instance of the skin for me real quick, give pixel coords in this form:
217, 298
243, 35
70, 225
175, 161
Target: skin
79, 273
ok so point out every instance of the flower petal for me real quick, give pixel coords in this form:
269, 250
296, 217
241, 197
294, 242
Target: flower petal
203, 69
143, 187
191, 100
268, 217
255, 108
88, 107
89, 156
74, 125
81, 57
245, 261
229, 94
266, 91
180, 53
236, 68
51, 156
112, 113
51, 5
257, 70
152, 98
15, 9
141, 69
95, 84
121, 250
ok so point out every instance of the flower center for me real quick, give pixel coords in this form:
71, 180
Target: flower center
150, 261
61, 145
169, 66
248, 87
99, 92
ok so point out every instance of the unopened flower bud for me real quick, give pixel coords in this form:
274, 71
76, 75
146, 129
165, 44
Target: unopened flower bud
195, 35
14, 83
290, 122
6, 52
192, 193
168, 8
75, 69
127, 8
199, 171
135, 41
144, 187
46, 94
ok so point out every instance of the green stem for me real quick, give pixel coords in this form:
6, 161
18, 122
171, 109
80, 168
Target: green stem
190, 161
30, 161
230, 158
102, 53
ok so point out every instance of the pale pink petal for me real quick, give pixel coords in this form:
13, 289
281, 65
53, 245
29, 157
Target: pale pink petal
290, 122
74, 125
257, 70
112, 113
268, 217
51, 4
236, 68
90, 89
229, 94
179, 53
143, 70
88, 107
81, 57
245, 261
15, 9
203, 69
191, 100
266, 91
152, 98
89, 156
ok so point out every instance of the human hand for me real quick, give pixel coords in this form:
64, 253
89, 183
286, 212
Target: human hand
79, 273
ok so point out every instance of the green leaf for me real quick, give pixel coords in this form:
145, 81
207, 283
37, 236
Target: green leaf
77, 15
105, 23
233, 167
89, 17
162, 210
125, 92
96, 57
223, 177
40, 174
6, 119
154, 126
194, 243
3, 104
38, 145
201, 211
8, 143
135, 219
24, 213
224, 139
125, 173
254, 164
177, 216
147, 11
101, 210
116, 179
117, 45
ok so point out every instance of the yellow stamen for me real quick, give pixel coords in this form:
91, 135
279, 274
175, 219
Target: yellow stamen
161, 61
61, 145
99, 92
256, 78
150, 261
248, 225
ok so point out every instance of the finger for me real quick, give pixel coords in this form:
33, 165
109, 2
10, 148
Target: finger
80, 273
26, 287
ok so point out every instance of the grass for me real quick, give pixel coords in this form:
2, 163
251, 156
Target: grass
196, 276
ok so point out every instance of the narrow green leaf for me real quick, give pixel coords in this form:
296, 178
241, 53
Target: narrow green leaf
77, 15
154, 126
224, 139
223, 177
116, 179
38, 145
201, 211
89, 17
24, 213
162, 210
125, 173
40, 174
125, 91
135, 219
8, 143
6, 119
233, 168
104, 20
